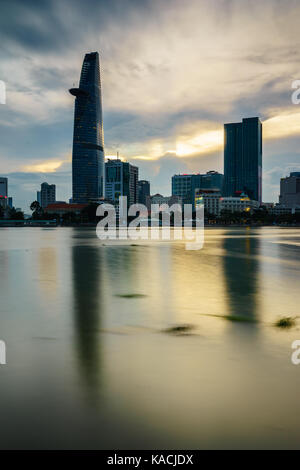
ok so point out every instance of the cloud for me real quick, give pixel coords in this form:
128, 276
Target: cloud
284, 123
43, 167
172, 73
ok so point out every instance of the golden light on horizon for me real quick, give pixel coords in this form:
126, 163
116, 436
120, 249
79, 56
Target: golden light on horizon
286, 124
206, 142
45, 167
282, 124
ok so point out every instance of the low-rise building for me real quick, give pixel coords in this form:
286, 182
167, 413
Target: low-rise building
290, 190
62, 208
238, 204
210, 198
268, 205
169, 200
3, 202
280, 209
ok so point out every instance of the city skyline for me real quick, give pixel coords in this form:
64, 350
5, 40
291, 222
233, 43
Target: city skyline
164, 107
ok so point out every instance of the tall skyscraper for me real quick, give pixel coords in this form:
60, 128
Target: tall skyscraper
3, 187
88, 140
121, 180
144, 191
47, 194
243, 158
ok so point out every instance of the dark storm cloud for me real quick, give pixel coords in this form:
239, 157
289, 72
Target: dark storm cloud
32, 25
45, 25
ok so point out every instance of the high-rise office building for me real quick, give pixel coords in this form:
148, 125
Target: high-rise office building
3, 192
3, 187
290, 191
121, 180
243, 158
144, 191
47, 194
88, 140
184, 186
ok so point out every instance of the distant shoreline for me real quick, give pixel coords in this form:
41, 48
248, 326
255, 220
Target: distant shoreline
94, 225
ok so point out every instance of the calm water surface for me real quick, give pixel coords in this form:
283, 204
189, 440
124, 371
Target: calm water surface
88, 368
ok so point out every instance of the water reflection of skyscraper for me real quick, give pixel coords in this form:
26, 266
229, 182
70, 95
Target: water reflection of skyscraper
87, 311
241, 271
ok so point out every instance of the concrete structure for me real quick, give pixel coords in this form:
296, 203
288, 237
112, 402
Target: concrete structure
121, 179
268, 205
184, 185
169, 200
278, 209
243, 158
290, 191
238, 204
88, 140
3, 202
62, 208
210, 198
47, 194
144, 191
3, 187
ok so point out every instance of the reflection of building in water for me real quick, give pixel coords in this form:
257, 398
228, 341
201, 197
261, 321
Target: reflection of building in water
241, 271
47, 271
142, 270
87, 308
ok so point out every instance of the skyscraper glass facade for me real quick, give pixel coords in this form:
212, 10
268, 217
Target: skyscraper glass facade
243, 158
88, 140
121, 180
144, 191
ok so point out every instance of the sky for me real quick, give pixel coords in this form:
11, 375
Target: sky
172, 72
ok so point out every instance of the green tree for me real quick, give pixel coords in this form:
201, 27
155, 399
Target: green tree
37, 211
16, 215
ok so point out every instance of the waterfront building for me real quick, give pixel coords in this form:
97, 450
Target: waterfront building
169, 200
240, 203
210, 198
88, 140
268, 205
3, 187
243, 158
62, 208
185, 185
47, 194
121, 180
290, 191
144, 191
